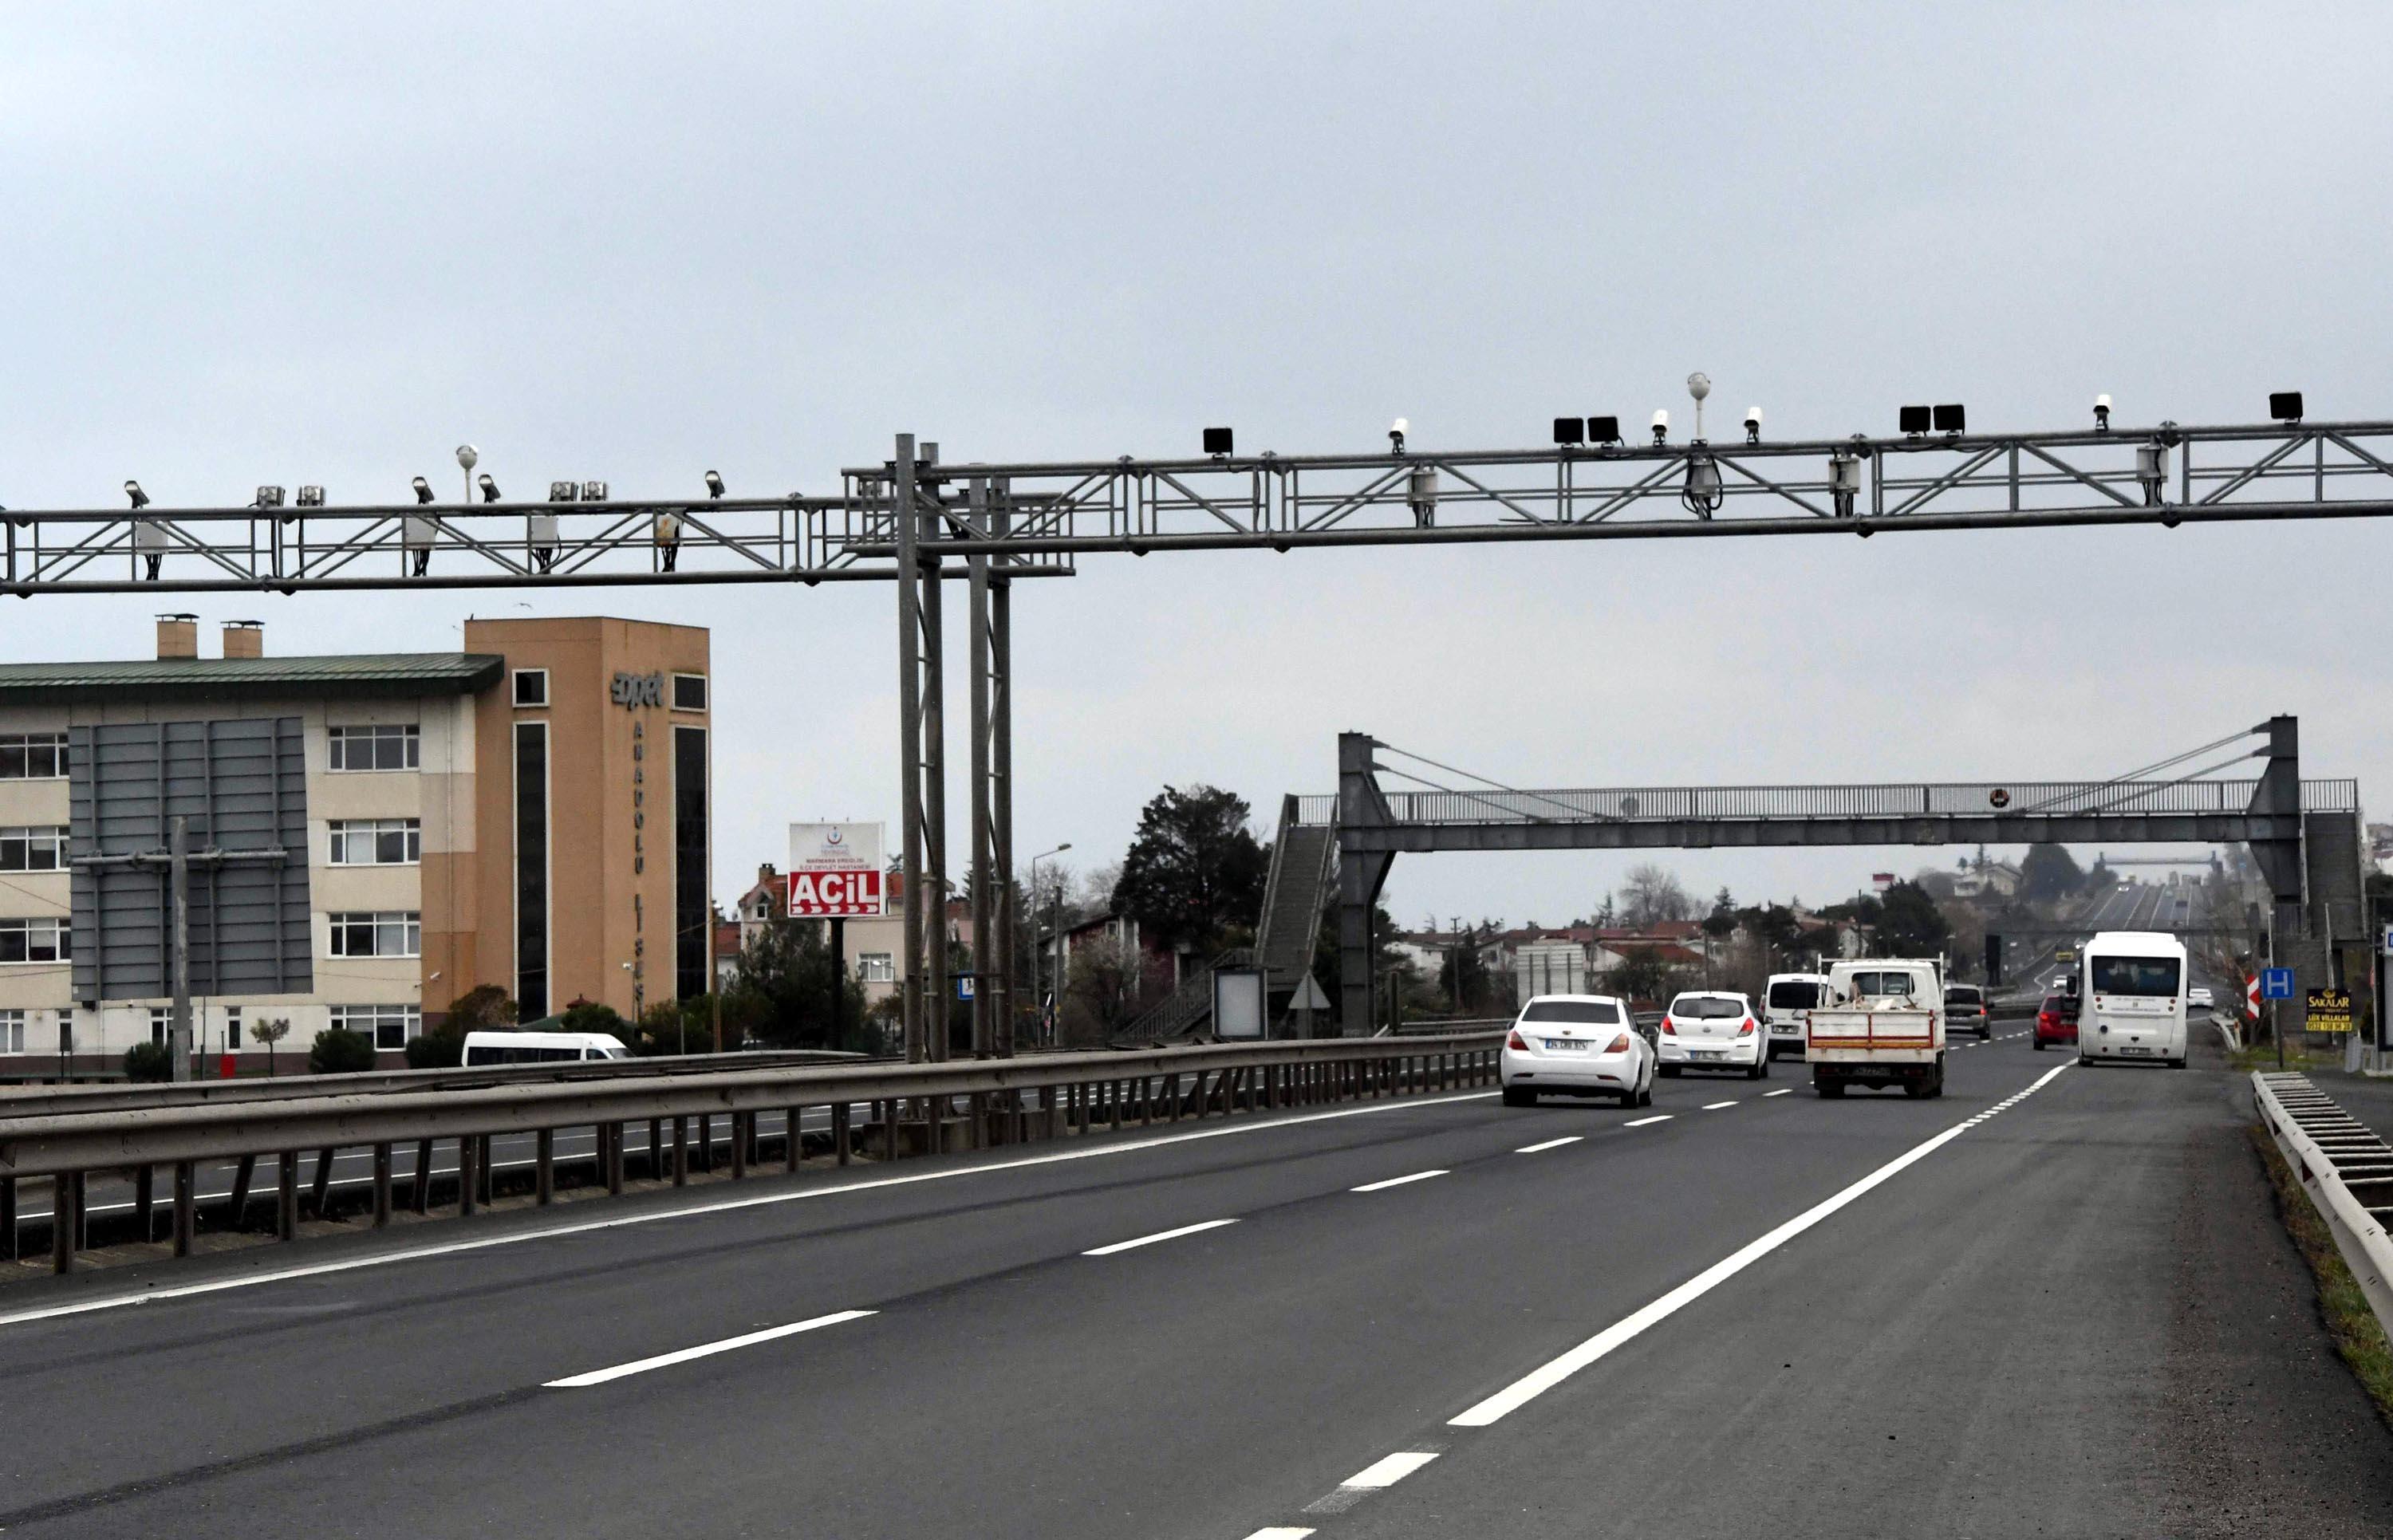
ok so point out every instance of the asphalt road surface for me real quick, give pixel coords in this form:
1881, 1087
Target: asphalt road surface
2055, 1303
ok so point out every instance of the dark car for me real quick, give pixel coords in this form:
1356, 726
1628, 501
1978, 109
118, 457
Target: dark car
1965, 1010
2056, 1021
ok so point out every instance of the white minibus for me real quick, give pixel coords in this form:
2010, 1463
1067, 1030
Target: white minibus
540, 1048
2131, 985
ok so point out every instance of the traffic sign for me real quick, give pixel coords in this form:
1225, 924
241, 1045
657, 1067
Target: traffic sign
2276, 984
963, 987
2387, 939
2251, 995
835, 872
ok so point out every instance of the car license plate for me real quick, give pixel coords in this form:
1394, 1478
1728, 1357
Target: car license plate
1707, 1054
2135, 1050
1565, 1045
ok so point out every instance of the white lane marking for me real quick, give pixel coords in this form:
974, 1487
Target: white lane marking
1394, 1181
1538, 1381
1549, 1144
1387, 1471
1280, 1532
1715, 1106
707, 1349
1159, 1236
1787, 1090
485, 1242
1633, 1123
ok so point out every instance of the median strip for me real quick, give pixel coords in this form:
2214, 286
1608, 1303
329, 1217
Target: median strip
707, 1350
1159, 1236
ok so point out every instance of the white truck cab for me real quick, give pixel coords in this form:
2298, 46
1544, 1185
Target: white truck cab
1882, 1024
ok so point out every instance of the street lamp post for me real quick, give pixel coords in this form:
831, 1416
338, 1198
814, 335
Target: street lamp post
1055, 916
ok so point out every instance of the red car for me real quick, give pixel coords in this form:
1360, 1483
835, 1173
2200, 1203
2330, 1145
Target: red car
2056, 1021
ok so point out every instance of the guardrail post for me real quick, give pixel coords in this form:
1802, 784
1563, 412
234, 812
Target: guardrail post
66, 1219
610, 1144
469, 1186
681, 1152
839, 1132
486, 1175
740, 1146
243, 1172
543, 1167
144, 1201
705, 1142
322, 1188
796, 1152
382, 1186
1114, 1109
420, 1199
286, 1196
8, 1218
656, 1149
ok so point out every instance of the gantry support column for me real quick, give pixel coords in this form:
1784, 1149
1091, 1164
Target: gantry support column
1361, 875
921, 745
992, 772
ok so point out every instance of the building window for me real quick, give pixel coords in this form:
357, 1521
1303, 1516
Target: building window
362, 842
531, 869
12, 1032
32, 940
384, 932
388, 1026
384, 746
32, 756
36, 849
689, 692
531, 686
160, 1016
876, 968
693, 917
232, 1028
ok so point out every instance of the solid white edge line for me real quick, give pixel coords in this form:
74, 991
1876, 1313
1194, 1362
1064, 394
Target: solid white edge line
485, 1242
1538, 1381
1397, 1181
705, 1349
1549, 1144
1387, 1471
1633, 1123
1159, 1236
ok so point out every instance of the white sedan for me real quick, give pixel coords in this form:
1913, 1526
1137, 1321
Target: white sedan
1576, 1045
1713, 1029
2198, 996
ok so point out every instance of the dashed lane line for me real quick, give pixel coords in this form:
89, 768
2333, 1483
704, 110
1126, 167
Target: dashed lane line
1783, 1091
1159, 1235
1549, 1144
1715, 1106
705, 1349
1395, 1181
1641, 1122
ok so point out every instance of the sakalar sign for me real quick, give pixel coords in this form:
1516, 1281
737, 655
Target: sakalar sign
835, 872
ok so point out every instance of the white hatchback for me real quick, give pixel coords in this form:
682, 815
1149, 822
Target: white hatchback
1713, 1029
1576, 1045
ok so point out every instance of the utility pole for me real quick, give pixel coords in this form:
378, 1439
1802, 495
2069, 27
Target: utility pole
178, 878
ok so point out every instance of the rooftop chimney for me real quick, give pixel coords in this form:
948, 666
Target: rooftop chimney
245, 639
178, 636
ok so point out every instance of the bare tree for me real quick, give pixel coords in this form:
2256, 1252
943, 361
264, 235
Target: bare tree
271, 1032
1652, 895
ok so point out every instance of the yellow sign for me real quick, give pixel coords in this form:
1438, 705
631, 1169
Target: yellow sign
2329, 1010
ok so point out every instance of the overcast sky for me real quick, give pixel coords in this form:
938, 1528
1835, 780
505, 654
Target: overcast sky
329, 244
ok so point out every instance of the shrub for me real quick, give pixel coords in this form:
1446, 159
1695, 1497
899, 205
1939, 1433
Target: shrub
440, 1049
340, 1052
148, 1062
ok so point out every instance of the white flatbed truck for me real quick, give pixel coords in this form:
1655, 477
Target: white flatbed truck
1881, 1024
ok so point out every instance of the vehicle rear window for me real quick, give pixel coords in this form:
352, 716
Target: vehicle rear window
1794, 994
1590, 1012
2134, 975
1963, 994
2060, 1005
1890, 981
1702, 1008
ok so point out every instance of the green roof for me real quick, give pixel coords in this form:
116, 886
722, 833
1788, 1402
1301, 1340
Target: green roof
386, 675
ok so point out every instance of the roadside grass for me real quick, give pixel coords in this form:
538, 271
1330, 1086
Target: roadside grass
2262, 1055
2358, 1335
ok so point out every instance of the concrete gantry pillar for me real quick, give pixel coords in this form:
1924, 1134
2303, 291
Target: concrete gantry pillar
1361, 875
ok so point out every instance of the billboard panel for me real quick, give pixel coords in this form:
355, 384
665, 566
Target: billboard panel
835, 871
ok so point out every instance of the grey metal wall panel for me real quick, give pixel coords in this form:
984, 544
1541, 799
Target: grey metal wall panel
242, 784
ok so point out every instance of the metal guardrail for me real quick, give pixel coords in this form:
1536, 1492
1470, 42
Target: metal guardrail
2345, 1167
1009, 1100
1896, 800
49, 1101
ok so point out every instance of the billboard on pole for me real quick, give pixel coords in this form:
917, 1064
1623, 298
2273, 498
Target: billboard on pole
835, 872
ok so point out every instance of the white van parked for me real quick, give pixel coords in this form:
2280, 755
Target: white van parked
2132, 983
1786, 1009
540, 1048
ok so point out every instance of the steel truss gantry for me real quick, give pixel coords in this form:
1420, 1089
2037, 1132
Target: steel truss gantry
2269, 813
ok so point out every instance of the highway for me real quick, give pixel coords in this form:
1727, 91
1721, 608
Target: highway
2056, 1302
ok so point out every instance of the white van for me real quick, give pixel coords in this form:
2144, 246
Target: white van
1786, 1009
2132, 985
540, 1048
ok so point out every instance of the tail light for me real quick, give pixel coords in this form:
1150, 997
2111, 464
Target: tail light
1619, 1044
1514, 1042
1744, 1029
1670, 1028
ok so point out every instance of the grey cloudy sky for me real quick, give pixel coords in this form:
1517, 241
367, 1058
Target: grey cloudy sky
329, 244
